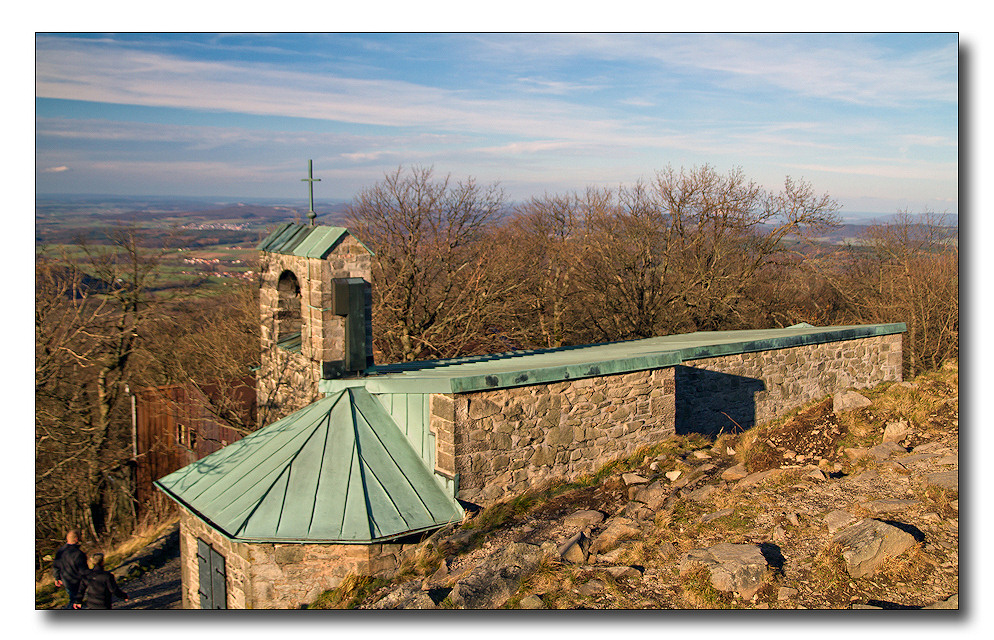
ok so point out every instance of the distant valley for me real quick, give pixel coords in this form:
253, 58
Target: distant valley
215, 240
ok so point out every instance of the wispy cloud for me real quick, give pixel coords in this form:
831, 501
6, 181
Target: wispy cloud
855, 68
556, 87
537, 146
59, 169
911, 171
372, 156
84, 70
528, 109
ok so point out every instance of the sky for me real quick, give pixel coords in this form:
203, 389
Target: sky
870, 119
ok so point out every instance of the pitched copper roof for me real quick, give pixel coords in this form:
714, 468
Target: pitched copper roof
304, 240
338, 470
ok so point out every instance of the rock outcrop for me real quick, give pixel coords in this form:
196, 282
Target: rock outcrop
884, 504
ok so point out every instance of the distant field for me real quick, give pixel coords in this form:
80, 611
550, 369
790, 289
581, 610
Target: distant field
209, 243
180, 223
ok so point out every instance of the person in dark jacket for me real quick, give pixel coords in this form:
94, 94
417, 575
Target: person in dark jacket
99, 587
69, 566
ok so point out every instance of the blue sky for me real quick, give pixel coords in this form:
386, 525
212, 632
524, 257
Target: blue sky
870, 119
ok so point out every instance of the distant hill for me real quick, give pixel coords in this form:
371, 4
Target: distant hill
62, 218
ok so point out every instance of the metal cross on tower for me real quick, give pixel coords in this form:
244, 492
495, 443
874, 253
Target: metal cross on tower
310, 180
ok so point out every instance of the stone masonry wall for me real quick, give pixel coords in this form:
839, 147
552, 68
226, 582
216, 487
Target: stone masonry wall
278, 576
286, 382
502, 442
754, 388
236, 563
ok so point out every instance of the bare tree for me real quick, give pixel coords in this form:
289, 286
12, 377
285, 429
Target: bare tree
908, 271
685, 251
89, 314
433, 283
546, 236
212, 348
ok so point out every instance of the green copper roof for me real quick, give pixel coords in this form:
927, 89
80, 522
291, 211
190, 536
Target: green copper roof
338, 470
553, 365
303, 240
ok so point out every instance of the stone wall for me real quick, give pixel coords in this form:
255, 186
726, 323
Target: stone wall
746, 389
279, 576
287, 382
504, 441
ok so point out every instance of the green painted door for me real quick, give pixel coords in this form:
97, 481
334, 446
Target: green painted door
212, 584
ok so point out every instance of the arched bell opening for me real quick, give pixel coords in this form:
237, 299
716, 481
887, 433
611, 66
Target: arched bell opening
288, 309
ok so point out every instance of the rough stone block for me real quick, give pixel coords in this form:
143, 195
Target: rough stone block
482, 408
869, 543
733, 567
442, 406
288, 554
849, 400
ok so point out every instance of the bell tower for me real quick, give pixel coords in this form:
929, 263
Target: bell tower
315, 310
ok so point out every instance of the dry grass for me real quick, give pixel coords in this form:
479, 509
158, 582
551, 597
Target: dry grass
141, 539
860, 428
425, 561
553, 582
698, 592
830, 575
353, 590
939, 500
642, 553
788, 478
914, 565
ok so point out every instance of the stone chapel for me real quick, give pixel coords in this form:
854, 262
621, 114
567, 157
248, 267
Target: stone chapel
366, 458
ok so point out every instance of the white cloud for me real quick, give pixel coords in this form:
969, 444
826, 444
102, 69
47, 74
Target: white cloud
848, 68
101, 72
59, 169
535, 146
927, 141
884, 169
74, 70
556, 87
526, 119
369, 156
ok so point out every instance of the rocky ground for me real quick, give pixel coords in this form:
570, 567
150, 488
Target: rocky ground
850, 503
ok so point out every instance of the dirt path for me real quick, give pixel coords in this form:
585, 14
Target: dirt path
156, 589
156, 568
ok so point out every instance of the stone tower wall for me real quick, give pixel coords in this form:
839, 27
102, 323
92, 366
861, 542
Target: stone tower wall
288, 381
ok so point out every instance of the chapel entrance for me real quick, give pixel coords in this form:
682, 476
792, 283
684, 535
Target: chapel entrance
213, 582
